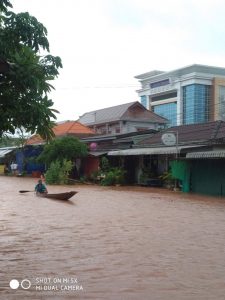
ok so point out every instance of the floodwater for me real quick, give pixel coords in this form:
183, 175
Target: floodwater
110, 243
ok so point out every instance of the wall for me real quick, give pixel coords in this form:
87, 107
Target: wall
91, 164
208, 177
130, 126
125, 127
2, 169
218, 102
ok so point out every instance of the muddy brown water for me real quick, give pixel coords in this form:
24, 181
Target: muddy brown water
111, 243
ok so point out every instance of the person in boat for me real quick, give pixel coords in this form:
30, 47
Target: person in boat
42, 177
40, 188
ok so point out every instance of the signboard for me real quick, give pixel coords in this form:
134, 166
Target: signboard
169, 139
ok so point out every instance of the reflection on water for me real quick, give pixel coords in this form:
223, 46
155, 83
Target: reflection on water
120, 243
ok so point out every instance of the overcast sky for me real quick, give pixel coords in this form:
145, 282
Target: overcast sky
103, 44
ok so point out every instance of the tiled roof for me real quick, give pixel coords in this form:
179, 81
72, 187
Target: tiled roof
73, 128
105, 114
119, 112
187, 134
35, 140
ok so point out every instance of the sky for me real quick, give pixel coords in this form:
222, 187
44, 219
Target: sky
103, 44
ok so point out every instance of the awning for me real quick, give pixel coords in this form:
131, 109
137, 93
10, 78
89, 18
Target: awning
149, 151
3, 152
207, 154
97, 153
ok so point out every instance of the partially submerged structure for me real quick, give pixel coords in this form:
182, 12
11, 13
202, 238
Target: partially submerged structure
197, 159
34, 146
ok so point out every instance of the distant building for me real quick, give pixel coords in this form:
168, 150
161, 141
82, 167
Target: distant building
189, 95
124, 118
67, 128
34, 146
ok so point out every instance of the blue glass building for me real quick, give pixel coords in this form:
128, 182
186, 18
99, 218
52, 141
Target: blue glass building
189, 95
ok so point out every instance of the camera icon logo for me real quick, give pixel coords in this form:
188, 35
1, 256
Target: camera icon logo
25, 284
14, 284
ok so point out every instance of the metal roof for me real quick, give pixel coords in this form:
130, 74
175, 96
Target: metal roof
189, 134
105, 114
4, 151
149, 151
118, 112
97, 153
206, 154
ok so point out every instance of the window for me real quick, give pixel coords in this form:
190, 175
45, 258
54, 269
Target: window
144, 101
159, 83
164, 97
221, 103
168, 111
196, 98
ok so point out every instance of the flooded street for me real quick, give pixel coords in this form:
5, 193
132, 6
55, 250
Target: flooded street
110, 243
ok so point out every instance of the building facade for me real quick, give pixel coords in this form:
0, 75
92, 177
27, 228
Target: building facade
197, 160
123, 118
189, 95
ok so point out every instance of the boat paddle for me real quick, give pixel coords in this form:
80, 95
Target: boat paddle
24, 191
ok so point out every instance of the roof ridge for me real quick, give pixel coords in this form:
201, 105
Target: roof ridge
131, 103
71, 125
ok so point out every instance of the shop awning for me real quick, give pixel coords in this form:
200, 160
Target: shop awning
149, 151
206, 154
97, 153
3, 152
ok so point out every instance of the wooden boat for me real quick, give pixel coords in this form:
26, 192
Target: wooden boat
58, 196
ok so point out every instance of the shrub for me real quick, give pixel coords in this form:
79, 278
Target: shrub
105, 166
168, 179
83, 179
58, 172
94, 176
114, 176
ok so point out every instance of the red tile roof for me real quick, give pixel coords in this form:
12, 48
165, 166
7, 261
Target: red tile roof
73, 128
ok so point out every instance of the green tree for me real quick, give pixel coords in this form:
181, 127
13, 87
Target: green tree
58, 172
24, 89
68, 148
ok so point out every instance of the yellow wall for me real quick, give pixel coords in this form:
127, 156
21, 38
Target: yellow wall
217, 82
1, 169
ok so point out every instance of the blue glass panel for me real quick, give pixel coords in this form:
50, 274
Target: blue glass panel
196, 98
144, 101
168, 111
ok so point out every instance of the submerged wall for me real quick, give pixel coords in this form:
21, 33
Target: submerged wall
208, 177
205, 176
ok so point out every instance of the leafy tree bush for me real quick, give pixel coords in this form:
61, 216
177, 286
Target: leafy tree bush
58, 172
114, 176
25, 85
104, 164
68, 148
94, 176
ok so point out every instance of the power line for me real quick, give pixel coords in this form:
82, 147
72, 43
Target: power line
97, 87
